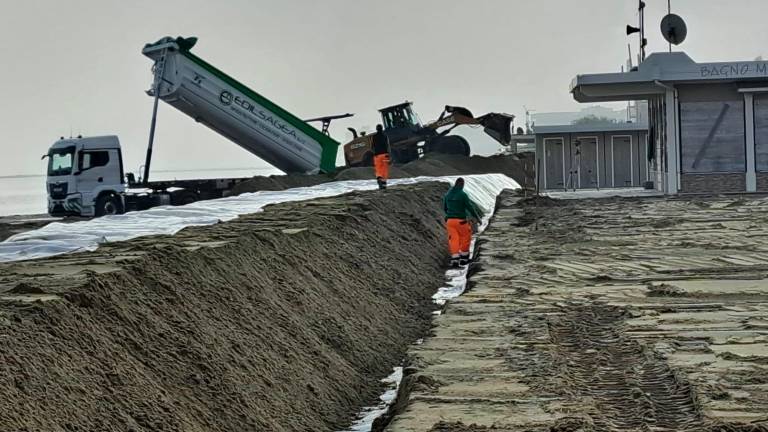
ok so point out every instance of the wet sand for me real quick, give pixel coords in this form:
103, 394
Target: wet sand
603, 315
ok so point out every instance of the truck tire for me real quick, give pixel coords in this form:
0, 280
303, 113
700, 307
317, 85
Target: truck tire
451, 144
108, 204
367, 160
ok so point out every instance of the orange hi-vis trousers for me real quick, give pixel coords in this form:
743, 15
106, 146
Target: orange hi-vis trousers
459, 236
381, 165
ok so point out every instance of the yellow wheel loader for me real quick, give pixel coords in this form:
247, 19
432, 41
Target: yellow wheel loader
409, 139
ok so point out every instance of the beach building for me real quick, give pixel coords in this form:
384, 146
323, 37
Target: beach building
613, 155
707, 128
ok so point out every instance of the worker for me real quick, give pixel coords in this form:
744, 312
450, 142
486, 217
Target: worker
381, 156
460, 211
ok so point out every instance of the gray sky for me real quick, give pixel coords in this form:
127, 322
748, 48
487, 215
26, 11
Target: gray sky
76, 64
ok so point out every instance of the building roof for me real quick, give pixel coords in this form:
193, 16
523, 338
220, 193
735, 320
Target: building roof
590, 128
658, 68
523, 138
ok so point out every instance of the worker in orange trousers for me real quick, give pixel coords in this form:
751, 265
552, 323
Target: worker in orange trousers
460, 211
381, 157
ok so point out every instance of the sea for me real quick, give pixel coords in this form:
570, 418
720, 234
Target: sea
26, 195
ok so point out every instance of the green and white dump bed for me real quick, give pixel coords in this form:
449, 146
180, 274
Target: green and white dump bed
213, 98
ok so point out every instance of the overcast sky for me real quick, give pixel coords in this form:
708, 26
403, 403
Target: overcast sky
77, 65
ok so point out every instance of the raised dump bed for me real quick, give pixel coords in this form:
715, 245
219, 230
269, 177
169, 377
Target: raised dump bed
210, 96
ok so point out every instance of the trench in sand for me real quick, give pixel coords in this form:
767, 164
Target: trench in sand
376, 417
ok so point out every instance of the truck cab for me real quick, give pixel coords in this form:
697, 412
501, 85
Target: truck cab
85, 177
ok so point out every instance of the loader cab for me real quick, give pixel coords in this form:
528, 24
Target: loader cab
400, 121
83, 173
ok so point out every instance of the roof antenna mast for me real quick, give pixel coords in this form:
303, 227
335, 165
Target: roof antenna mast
669, 12
640, 29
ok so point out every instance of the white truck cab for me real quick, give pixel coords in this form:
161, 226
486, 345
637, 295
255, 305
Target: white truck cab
85, 177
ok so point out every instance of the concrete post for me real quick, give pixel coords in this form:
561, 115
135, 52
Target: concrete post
749, 117
659, 119
673, 160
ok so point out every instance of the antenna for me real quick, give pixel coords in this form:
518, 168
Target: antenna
528, 124
640, 29
673, 29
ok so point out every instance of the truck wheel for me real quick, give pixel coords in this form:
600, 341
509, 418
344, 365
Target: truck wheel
452, 144
368, 160
108, 204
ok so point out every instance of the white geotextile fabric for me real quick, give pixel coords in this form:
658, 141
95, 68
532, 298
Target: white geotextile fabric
484, 194
58, 238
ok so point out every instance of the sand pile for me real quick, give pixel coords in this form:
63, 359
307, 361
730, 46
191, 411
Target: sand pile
280, 182
520, 168
282, 320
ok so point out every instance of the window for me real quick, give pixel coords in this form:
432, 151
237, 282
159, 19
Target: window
413, 118
93, 159
761, 132
60, 161
713, 137
400, 117
389, 122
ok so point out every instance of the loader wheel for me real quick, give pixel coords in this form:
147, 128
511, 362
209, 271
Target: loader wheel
108, 204
405, 156
367, 160
183, 198
452, 144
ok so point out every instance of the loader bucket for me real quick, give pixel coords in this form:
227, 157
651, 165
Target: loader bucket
498, 126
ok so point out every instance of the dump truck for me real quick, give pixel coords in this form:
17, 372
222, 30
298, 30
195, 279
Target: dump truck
410, 140
250, 120
86, 175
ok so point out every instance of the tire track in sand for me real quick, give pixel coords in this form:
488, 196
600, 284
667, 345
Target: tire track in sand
631, 387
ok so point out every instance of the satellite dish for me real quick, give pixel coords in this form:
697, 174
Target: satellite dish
674, 29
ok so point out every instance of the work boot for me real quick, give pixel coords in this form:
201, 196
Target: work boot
381, 182
455, 261
464, 259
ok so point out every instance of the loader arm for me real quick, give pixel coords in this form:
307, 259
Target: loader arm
497, 125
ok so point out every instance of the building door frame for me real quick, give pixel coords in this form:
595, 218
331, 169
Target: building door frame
562, 148
613, 159
597, 156
749, 130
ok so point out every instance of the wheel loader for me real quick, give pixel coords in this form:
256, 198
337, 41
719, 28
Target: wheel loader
409, 139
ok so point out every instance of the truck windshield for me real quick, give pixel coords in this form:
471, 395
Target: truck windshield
60, 161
